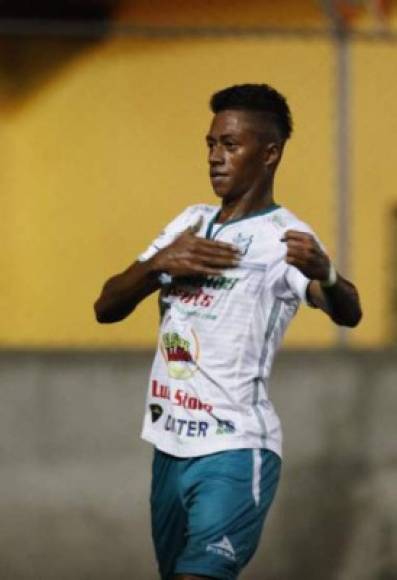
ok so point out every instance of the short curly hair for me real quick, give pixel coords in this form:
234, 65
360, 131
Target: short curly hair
258, 98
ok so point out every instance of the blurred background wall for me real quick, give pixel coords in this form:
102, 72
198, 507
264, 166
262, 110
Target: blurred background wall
102, 141
103, 114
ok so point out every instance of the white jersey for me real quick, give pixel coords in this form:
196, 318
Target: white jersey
208, 388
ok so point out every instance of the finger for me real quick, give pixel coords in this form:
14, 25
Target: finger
308, 250
298, 254
202, 270
295, 235
219, 261
295, 260
299, 264
218, 255
203, 257
210, 256
297, 244
292, 258
215, 245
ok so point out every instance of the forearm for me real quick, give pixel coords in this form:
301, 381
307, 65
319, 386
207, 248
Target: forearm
187, 255
340, 301
123, 292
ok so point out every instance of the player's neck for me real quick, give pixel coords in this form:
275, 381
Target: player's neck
245, 205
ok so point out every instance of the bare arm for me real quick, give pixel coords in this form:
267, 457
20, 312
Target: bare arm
187, 255
339, 300
122, 292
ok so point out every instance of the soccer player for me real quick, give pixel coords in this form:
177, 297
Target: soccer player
230, 278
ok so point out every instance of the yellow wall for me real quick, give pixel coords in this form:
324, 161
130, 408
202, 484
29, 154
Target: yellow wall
374, 187
108, 151
100, 155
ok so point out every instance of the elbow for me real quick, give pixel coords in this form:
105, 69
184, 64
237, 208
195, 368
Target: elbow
101, 315
106, 315
356, 319
356, 316
350, 321
103, 307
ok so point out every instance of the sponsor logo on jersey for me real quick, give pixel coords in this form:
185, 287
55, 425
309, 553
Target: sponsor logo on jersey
180, 398
180, 354
223, 548
225, 427
215, 282
193, 297
242, 242
160, 391
176, 347
186, 428
156, 411
198, 293
183, 399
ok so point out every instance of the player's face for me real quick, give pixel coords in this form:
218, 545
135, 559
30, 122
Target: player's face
236, 154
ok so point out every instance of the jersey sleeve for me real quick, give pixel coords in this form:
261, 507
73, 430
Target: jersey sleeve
297, 283
185, 219
292, 284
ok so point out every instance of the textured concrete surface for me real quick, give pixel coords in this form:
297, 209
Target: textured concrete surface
75, 476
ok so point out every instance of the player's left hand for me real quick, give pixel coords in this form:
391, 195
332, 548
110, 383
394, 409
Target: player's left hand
304, 252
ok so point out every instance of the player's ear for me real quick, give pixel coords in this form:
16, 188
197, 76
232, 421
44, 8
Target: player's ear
273, 152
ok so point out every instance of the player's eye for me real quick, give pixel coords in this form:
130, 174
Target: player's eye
231, 145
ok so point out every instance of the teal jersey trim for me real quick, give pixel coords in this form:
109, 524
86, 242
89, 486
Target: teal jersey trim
254, 214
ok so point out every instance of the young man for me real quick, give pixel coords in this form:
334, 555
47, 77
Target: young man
230, 278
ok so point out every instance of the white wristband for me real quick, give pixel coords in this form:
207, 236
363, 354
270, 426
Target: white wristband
332, 277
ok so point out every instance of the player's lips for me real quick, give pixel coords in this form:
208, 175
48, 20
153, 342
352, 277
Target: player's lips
217, 175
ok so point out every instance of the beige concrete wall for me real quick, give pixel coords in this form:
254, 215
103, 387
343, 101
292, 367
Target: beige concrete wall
75, 477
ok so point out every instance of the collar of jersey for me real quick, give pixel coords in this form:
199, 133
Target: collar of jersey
253, 214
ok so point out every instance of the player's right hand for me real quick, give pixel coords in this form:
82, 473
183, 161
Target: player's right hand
190, 255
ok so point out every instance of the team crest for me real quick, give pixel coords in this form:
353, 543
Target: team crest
181, 353
242, 242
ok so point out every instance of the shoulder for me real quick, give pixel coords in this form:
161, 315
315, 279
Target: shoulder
283, 219
203, 208
196, 210
189, 216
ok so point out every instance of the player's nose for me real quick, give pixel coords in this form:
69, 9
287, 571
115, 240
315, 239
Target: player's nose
216, 155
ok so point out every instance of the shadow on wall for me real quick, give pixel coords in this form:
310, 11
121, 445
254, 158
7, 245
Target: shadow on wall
31, 53
25, 64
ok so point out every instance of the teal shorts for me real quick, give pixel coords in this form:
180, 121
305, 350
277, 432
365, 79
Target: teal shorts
208, 512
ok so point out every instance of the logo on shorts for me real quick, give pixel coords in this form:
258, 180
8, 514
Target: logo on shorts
156, 411
223, 548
